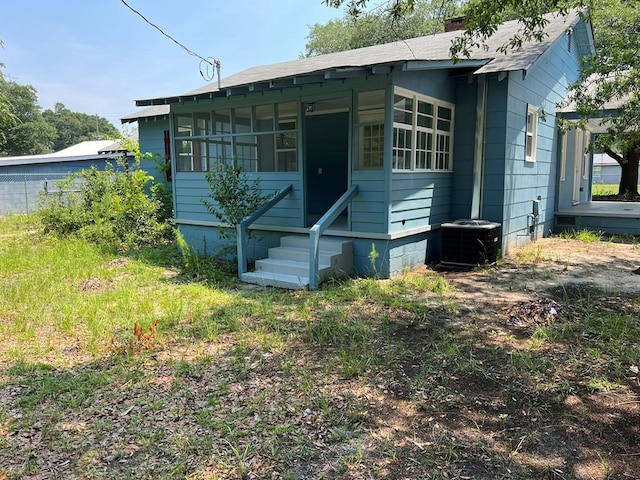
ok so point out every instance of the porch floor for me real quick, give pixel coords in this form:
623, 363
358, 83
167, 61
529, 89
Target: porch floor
603, 209
615, 218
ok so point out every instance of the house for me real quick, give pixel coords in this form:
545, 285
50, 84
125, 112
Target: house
375, 149
22, 178
606, 170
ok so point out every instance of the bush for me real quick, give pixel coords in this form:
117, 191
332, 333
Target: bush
121, 208
233, 197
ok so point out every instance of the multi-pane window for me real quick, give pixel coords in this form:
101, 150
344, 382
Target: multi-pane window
370, 128
422, 133
257, 139
424, 136
531, 134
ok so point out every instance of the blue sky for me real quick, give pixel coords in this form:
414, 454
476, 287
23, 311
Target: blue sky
98, 57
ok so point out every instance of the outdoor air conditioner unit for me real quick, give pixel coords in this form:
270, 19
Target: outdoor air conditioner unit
470, 242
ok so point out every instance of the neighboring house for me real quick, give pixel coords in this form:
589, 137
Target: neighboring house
23, 178
416, 139
606, 170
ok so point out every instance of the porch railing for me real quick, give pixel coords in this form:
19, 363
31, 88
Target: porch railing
321, 225
243, 226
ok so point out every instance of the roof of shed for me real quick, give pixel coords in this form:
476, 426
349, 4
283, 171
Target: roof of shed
429, 52
89, 150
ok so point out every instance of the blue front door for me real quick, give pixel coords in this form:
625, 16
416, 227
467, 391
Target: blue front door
327, 161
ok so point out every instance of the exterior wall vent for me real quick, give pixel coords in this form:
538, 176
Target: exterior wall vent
566, 220
470, 242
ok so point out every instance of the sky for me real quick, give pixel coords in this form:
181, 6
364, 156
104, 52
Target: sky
98, 57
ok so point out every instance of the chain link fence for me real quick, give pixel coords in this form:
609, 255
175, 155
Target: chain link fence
20, 192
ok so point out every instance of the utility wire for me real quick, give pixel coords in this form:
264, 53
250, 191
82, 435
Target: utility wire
211, 62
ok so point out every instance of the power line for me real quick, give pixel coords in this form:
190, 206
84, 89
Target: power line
211, 62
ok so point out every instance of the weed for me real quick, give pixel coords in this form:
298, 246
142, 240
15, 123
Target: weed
584, 235
373, 258
533, 254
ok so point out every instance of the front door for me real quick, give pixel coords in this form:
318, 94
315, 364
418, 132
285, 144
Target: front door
326, 155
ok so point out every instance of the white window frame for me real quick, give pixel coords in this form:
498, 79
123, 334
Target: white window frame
531, 134
436, 135
563, 158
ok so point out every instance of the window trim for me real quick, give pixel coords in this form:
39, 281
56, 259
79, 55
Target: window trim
563, 158
434, 131
531, 136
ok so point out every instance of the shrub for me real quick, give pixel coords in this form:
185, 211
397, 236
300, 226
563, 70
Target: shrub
119, 207
234, 196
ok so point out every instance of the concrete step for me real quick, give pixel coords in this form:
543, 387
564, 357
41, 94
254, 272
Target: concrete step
288, 265
326, 244
300, 254
271, 279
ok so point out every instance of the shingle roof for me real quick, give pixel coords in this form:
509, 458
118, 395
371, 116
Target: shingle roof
150, 112
433, 48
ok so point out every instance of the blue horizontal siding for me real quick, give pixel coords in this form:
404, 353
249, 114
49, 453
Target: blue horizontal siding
369, 210
151, 135
419, 200
191, 188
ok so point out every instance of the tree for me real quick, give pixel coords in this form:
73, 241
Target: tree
482, 17
7, 117
381, 26
76, 127
24, 131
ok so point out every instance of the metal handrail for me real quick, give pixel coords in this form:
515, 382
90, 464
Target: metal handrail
320, 226
242, 227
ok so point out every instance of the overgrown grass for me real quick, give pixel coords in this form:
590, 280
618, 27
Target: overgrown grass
604, 189
56, 290
140, 366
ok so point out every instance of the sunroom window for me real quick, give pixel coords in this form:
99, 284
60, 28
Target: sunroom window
257, 139
422, 133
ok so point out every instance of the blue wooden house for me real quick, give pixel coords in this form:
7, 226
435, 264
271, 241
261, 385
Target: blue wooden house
373, 150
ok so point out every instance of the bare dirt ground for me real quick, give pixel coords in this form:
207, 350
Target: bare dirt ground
565, 423
552, 266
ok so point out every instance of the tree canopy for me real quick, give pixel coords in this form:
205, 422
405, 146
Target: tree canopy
380, 26
74, 127
26, 130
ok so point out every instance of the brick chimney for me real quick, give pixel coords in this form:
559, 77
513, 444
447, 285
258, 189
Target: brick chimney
454, 24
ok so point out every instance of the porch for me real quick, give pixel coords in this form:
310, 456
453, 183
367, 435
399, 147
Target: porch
619, 218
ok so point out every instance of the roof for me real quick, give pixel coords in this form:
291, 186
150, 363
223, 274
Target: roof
429, 52
155, 112
89, 150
